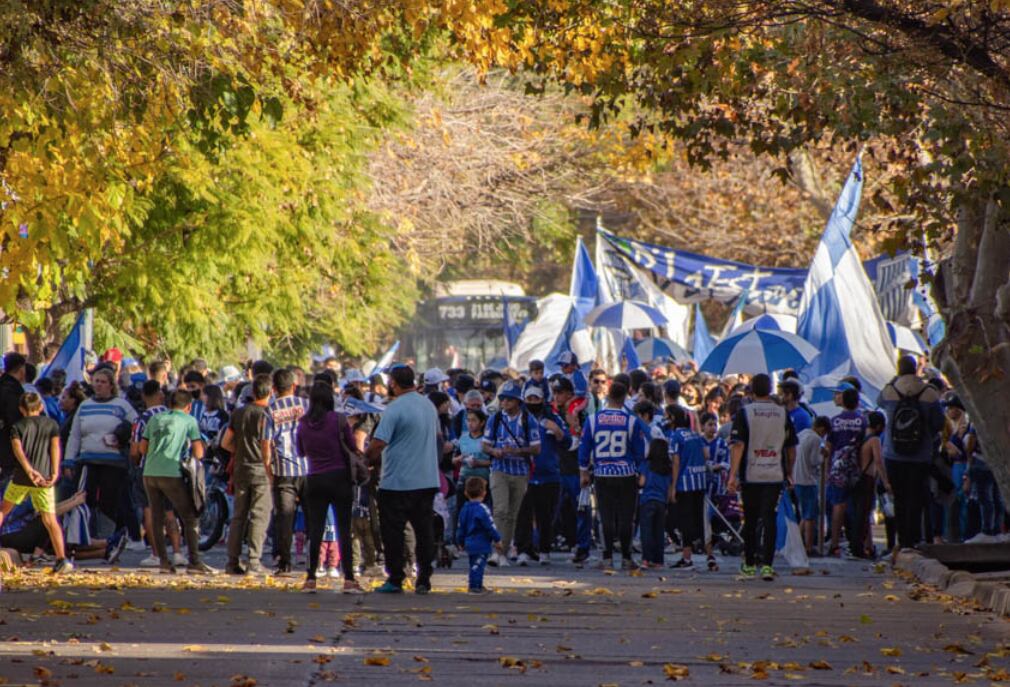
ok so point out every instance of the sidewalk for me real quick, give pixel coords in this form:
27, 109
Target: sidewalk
544, 626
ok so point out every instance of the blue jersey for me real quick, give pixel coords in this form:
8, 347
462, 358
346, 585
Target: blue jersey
475, 530
690, 446
614, 443
657, 487
718, 455
547, 465
283, 415
801, 419
503, 431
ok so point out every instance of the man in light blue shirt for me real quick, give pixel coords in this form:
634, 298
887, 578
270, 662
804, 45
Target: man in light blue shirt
406, 444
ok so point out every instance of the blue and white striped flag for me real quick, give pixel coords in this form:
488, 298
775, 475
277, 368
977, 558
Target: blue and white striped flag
839, 312
386, 359
72, 354
703, 341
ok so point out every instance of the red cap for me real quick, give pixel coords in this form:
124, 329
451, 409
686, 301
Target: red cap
112, 355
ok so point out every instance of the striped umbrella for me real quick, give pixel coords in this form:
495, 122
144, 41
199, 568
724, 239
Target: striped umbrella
625, 315
768, 322
758, 350
655, 347
906, 338
820, 394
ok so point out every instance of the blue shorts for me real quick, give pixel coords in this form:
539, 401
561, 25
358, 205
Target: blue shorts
807, 496
837, 495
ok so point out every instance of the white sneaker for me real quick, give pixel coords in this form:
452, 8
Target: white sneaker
179, 559
493, 560
151, 561
523, 560
503, 562
136, 545
545, 559
333, 572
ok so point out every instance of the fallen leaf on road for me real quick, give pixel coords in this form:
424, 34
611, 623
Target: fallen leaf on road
636, 664
376, 661
105, 646
491, 629
895, 670
792, 676
600, 591
318, 639
322, 659
649, 595
846, 639
890, 651
179, 677
242, 681
420, 659
957, 649
891, 597
42, 673
194, 648
820, 665
675, 671
865, 620
714, 658
510, 662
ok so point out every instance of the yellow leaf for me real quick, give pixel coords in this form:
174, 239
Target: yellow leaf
675, 671
377, 661
318, 639
895, 670
491, 629
957, 649
891, 597
194, 648
714, 658
636, 664
601, 591
890, 651
820, 665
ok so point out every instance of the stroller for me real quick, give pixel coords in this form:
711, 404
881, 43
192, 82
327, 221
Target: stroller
726, 524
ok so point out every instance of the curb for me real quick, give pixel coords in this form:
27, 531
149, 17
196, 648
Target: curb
991, 596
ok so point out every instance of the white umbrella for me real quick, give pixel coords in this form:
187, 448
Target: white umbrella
625, 315
757, 351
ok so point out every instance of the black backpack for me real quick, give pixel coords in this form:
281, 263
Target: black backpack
908, 426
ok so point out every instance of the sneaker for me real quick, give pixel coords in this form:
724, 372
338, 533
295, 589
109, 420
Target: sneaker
62, 567
151, 561
282, 571
168, 569
201, 568
747, 570
580, 557
309, 585
523, 560
683, 564
234, 569
503, 562
352, 587
545, 559
478, 590
605, 564
255, 569
628, 564
115, 547
137, 546
388, 587
767, 573
179, 559
333, 572
422, 588
713, 565
493, 560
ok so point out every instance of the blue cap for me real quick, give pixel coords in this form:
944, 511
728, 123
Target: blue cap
844, 386
511, 390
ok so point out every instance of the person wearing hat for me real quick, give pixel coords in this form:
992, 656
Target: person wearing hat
541, 499
570, 367
539, 380
512, 439
489, 390
957, 438
434, 380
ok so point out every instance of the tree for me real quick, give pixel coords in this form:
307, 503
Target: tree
930, 78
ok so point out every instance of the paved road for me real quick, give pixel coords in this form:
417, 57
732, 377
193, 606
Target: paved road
846, 624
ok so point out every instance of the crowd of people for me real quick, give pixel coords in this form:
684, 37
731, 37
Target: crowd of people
397, 472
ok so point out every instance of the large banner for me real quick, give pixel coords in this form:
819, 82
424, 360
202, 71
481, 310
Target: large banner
691, 278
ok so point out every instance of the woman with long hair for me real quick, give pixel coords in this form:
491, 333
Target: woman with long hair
322, 436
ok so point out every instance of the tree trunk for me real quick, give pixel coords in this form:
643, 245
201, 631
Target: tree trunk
971, 291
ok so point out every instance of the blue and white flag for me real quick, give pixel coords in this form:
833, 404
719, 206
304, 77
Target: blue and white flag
386, 360
585, 284
736, 318
630, 354
703, 341
510, 328
788, 539
556, 329
839, 313
73, 351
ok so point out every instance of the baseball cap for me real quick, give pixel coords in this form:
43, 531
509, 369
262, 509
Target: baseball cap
568, 358
536, 365
844, 386
510, 390
435, 376
230, 373
563, 384
533, 391
488, 385
354, 376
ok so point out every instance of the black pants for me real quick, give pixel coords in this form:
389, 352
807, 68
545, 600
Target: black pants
759, 503
30, 537
321, 492
172, 489
539, 504
288, 492
616, 498
691, 517
105, 487
910, 482
396, 510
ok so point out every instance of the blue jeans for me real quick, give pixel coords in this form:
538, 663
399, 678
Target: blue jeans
584, 519
957, 514
478, 562
985, 489
652, 524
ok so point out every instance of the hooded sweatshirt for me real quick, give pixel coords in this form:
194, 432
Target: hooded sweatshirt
319, 441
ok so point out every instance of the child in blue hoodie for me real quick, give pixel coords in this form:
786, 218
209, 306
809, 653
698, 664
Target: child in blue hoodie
656, 483
476, 532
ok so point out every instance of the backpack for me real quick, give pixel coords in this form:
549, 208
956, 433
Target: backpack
844, 472
908, 424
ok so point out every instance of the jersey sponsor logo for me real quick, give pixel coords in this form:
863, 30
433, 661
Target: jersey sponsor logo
611, 419
765, 453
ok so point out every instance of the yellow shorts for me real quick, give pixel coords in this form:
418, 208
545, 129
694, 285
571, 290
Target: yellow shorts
43, 498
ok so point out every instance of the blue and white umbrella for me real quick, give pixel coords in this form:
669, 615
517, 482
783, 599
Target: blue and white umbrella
625, 315
820, 395
756, 351
768, 322
654, 348
354, 406
906, 338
